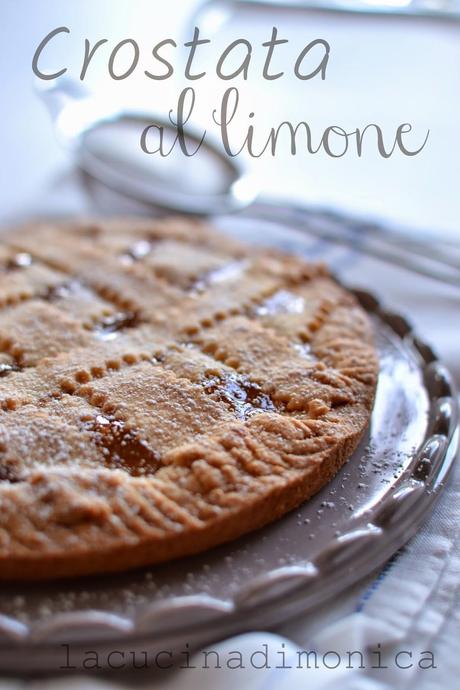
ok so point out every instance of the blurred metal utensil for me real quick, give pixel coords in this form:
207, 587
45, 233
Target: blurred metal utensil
423, 254
435, 9
105, 142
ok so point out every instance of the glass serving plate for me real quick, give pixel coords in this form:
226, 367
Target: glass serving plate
372, 507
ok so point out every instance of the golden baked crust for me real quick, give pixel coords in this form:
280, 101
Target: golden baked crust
164, 389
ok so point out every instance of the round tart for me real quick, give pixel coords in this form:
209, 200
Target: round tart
164, 389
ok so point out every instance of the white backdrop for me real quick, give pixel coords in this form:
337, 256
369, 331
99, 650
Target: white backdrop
380, 70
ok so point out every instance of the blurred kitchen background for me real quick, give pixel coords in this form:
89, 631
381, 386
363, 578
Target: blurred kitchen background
383, 68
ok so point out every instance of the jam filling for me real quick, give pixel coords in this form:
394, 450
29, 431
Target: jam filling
229, 271
121, 447
18, 261
7, 368
108, 326
54, 293
281, 302
7, 474
244, 396
304, 350
136, 252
